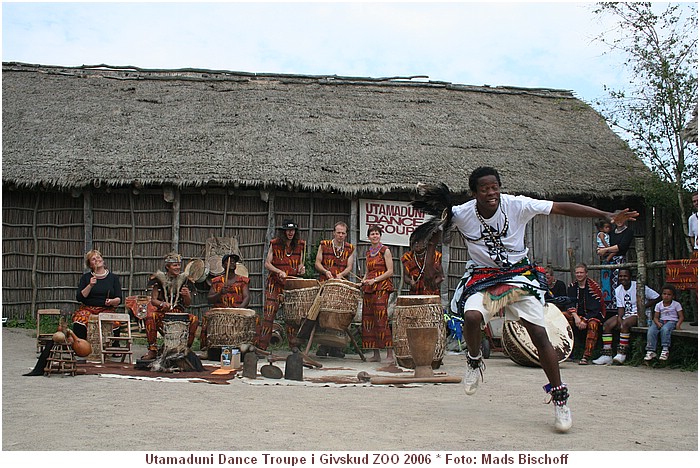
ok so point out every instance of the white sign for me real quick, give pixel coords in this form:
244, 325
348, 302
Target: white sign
397, 219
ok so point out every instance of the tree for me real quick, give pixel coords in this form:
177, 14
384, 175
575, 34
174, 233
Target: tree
661, 54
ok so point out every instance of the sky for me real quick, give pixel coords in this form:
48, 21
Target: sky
540, 45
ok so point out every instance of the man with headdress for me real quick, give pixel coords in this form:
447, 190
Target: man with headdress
228, 290
499, 273
334, 260
169, 294
285, 257
413, 263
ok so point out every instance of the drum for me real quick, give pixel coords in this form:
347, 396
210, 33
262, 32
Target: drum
299, 294
230, 327
93, 336
519, 348
175, 330
339, 302
332, 338
416, 312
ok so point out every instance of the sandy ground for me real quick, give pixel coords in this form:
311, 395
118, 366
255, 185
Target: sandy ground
614, 409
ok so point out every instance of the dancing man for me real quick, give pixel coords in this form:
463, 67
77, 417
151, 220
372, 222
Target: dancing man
499, 274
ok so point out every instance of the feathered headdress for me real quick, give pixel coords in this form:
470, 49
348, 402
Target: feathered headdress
436, 201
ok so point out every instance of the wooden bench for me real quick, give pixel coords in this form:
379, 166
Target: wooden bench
684, 332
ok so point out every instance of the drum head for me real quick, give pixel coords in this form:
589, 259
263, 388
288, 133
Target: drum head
300, 283
215, 266
241, 270
176, 317
196, 271
417, 300
521, 350
233, 311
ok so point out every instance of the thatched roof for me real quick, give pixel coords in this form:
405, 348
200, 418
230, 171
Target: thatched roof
71, 127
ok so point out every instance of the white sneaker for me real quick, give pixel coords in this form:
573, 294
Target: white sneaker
473, 374
664, 355
604, 360
619, 358
650, 355
562, 418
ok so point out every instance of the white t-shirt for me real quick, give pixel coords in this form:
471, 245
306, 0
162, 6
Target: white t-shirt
627, 298
668, 312
499, 248
693, 228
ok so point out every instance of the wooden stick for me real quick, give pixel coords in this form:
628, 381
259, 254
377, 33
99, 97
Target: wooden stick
228, 265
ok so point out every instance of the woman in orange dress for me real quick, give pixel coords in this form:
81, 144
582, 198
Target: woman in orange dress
377, 285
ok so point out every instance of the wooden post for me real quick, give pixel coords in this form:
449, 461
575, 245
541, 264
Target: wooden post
132, 244
87, 218
641, 282
572, 262
444, 286
352, 229
176, 221
35, 255
271, 230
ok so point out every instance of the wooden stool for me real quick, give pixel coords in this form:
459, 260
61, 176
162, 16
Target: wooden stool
61, 360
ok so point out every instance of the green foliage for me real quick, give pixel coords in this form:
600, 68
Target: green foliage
683, 355
311, 251
658, 103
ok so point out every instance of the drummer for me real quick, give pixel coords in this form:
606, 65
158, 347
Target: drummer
169, 294
334, 260
413, 263
228, 290
285, 258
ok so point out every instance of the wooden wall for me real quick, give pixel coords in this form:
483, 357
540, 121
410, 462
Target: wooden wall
45, 235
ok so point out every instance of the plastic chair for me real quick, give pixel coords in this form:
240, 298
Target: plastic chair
43, 338
108, 340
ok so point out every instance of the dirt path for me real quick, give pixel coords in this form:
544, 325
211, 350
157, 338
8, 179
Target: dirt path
614, 409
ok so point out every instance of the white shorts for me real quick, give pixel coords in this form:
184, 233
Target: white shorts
527, 307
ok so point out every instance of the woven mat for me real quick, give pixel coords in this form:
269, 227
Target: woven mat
126, 370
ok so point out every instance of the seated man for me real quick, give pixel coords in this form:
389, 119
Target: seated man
626, 318
170, 293
228, 290
586, 314
556, 290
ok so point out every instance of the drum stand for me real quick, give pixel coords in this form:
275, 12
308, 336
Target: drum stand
421, 342
347, 331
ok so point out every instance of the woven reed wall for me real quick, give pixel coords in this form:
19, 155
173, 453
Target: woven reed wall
45, 235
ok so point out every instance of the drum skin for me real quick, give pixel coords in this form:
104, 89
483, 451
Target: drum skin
520, 349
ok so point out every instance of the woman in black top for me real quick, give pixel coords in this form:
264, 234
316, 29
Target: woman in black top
620, 242
99, 290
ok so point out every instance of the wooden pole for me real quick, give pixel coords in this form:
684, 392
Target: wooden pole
641, 281
35, 256
176, 221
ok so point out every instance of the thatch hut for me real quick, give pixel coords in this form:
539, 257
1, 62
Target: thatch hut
138, 162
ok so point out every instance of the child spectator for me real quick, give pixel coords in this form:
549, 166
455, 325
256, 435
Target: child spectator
603, 239
668, 316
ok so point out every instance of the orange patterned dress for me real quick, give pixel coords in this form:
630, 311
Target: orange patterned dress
376, 333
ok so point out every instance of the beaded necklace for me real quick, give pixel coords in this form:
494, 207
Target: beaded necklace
338, 252
374, 251
420, 267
